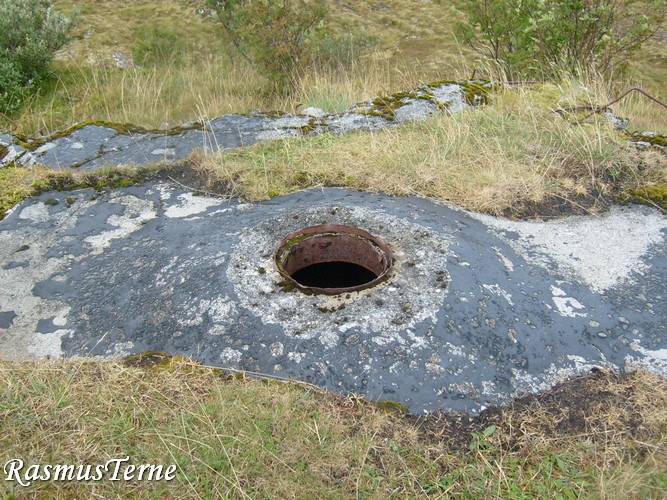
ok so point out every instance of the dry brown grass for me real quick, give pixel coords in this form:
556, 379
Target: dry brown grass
16, 184
499, 159
601, 435
412, 41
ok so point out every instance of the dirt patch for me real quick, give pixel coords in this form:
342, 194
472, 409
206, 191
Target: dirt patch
197, 180
594, 405
556, 207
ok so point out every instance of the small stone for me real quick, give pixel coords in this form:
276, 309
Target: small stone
314, 112
163, 152
51, 201
121, 61
602, 335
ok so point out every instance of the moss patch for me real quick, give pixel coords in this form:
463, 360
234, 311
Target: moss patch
651, 195
15, 185
32, 143
386, 106
652, 139
392, 407
475, 92
18, 182
106, 178
151, 359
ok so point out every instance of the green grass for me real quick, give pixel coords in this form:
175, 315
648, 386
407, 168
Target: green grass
231, 437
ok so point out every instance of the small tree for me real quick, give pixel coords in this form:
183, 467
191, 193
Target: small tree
546, 36
30, 34
499, 30
272, 34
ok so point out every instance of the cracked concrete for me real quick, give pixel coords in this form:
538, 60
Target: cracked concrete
477, 310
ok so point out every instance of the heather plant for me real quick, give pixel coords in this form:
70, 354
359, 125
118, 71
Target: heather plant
30, 34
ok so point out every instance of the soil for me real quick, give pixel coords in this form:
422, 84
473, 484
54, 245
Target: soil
195, 179
571, 408
556, 207
199, 181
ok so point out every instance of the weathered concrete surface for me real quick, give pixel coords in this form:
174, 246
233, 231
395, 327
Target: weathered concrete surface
94, 146
477, 310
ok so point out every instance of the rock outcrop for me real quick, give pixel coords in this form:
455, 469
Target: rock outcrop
94, 145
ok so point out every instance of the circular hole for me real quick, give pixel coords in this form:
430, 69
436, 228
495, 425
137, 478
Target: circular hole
333, 259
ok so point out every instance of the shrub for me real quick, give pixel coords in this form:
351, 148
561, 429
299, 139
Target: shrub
548, 36
272, 34
30, 34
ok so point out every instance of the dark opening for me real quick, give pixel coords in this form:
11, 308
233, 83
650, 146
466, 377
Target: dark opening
333, 259
334, 275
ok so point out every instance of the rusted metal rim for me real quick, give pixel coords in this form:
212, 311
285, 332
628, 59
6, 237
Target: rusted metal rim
331, 245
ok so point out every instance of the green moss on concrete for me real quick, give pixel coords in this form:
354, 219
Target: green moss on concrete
386, 106
475, 92
652, 139
392, 407
153, 359
98, 179
651, 195
32, 143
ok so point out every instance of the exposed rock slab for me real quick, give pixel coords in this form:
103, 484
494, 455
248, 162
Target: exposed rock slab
96, 145
478, 310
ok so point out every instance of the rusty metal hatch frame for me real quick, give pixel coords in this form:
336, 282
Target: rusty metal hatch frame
332, 243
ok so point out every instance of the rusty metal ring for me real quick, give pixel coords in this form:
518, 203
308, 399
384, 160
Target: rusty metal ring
333, 243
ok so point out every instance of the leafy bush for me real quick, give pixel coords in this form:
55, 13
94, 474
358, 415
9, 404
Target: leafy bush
272, 34
547, 36
30, 34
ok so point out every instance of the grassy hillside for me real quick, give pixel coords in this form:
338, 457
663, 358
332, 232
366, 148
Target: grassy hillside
396, 44
404, 42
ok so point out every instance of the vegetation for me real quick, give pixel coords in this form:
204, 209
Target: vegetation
232, 437
599, 436
191, 73
156, 45
515, 157
30, 33
18, 182
273, 35
536, 37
